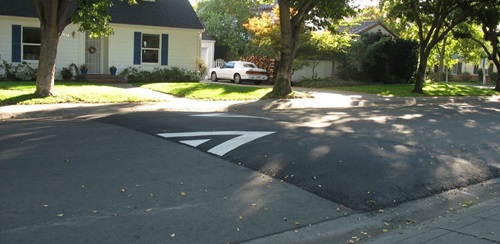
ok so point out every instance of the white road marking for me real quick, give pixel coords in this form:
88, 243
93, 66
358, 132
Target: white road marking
195, 143
243, 137
228, 115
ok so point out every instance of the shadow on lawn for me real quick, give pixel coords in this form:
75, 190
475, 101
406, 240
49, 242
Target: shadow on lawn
17, 99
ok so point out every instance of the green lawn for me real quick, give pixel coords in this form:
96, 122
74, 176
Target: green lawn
84, 92
67, 92
206, 91
430, 89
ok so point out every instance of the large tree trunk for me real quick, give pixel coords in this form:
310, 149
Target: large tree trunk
47, 67
282, 84
53, 15
497, 86
422, 66
442, 52
497, 64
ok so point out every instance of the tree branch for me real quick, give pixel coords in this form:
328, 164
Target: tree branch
39, 9
62, 15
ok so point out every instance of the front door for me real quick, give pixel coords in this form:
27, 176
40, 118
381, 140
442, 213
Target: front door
93, 54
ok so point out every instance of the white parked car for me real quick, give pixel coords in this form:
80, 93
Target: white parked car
238, 71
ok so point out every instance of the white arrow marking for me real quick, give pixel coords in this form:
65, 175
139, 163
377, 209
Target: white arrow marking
195, 143
227, 115
225, 147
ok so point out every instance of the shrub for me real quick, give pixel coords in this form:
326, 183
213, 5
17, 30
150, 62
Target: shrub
7, 71
379, 58
20, 72
173, 74
202, 67
66, 74
480, 75
493, 77
466, 77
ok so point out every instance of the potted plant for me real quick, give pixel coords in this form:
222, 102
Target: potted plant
83, 69
66, 74
112, 70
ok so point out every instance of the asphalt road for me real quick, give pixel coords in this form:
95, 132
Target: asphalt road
363, 158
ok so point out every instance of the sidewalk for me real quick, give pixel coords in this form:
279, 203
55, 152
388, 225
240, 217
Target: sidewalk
321, 99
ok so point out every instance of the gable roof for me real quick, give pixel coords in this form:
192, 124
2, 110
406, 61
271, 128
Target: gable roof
364, 27
164, 13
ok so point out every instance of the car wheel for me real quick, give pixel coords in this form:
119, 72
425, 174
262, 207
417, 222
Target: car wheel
213, 77
257, 82
237, 78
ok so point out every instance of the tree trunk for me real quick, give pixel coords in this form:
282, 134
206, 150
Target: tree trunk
422, 66
497, 86
47, 67
497, 64
441, 61
53, 16
282, 84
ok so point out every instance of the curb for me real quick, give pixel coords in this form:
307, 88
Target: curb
438, 216
322, 99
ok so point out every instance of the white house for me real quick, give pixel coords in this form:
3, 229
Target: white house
153, 33
207, 50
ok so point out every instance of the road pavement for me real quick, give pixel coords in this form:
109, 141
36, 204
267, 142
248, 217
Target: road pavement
68, 177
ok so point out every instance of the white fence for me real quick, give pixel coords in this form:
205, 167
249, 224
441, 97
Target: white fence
219, 62
322, 69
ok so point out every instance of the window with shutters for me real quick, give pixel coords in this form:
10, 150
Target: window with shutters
150, 48
31, 43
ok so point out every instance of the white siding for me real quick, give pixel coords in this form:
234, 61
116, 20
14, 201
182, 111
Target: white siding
67, 51
209, 48
184, 45
183, 50
324, 69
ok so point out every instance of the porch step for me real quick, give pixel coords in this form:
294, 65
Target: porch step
105, 79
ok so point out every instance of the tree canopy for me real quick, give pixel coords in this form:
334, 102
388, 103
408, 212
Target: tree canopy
433, 21
224, 20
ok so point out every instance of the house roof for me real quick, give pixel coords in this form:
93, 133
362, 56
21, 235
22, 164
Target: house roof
165, 13
364, 27
206, 37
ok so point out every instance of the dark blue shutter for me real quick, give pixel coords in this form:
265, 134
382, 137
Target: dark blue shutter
164, 49
16, 43
137, 47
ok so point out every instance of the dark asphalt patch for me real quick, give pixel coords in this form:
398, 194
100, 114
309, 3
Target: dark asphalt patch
370, 169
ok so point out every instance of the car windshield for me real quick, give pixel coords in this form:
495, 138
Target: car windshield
249, 65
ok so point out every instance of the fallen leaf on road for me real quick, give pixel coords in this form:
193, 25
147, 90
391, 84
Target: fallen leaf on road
60, 215
183, 193
467, 204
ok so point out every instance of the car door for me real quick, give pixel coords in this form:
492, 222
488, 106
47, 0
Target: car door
226, 71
